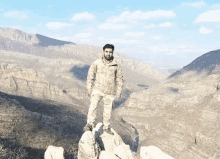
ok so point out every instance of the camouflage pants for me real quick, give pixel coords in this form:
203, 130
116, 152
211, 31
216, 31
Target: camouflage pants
108, 100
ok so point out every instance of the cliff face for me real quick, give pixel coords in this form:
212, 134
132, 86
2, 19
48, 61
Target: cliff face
27, 82
181, 115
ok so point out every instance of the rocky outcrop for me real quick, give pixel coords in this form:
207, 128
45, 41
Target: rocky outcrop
98, 145
54, 152
28, 82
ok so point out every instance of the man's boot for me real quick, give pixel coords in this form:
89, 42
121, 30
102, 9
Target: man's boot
88, 127
108, 131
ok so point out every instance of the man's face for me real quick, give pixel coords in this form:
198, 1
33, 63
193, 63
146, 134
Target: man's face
108, 53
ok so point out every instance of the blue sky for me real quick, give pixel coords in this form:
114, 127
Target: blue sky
166, 34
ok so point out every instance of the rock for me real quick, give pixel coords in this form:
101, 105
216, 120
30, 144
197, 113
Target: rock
107, 155
115, 144
92, 142
88, 146
123, 151
54, 152
111, 141
152, 152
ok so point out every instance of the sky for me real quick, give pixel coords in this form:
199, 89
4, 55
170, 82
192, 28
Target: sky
166, 34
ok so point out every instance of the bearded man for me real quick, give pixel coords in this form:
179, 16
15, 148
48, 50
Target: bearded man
106, 76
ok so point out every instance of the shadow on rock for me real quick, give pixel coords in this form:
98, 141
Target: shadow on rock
80, 72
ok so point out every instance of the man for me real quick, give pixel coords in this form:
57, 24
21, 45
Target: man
107, 73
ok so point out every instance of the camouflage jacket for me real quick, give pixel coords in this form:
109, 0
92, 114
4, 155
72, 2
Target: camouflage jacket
107, 76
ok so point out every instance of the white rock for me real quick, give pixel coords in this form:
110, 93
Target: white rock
123, 151
111, 141
107, 155
54, 152
88, 146
152, 152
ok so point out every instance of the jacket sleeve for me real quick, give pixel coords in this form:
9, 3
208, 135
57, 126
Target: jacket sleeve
119, 80
91, 76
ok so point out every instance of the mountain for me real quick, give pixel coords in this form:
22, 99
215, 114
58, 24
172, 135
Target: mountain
42, 89
207, 63
32, 39
180, 115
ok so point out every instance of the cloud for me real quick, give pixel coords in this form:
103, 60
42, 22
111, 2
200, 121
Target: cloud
139, 15
121, 41
135, 34
83, 16
149, 26
166, 24
198, 4
204, 30
111, 26
209, 16
83, 35
57, 25
157, 37
16, 14
216, 6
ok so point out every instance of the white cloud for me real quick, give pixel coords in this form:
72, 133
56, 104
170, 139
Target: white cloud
157, 37
121, 41
166, 24
110, 26
57, 25
139, 15
39, 24
150, 26
198, 4
216, 6
83, 35
135, 34
204, 30
16, 14
209, 16
83, 16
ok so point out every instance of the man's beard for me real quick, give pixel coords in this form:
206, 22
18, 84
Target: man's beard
108, 58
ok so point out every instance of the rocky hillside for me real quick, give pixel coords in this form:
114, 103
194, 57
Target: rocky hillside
181, 115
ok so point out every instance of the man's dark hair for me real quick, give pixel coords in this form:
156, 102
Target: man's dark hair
109, 46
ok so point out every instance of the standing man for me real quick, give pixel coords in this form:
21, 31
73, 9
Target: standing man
107, 74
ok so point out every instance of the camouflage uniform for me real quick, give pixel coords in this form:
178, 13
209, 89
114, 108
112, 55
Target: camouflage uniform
107, 75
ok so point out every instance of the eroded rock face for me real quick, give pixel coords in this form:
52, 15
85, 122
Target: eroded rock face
54, 152
27, 82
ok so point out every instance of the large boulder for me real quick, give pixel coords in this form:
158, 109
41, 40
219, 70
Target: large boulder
115, 145
152, 152
88, 146
107, 155
92, 142
54, 152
